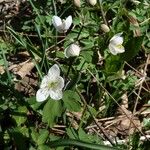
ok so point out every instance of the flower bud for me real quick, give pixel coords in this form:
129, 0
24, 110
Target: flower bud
105, 28
77, 3
72, 51
135, 2
92, 2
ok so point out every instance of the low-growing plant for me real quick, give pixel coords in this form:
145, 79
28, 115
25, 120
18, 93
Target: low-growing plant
85, 89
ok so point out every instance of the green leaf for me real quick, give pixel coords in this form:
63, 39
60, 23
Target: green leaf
88, 43
71, 100
113, 64
43, 147
20, 140
132, 48
83, 136
20, 115
72, 133
52, 110
135, 141
76, 21
87, 55
34, 134
43, 136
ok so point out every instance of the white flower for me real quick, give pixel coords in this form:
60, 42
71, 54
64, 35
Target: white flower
72, 51
52, 85
115, 44
62, 25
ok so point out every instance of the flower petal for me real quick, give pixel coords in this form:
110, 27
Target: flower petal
114, 49
60, 28
42, 94
54, 71
56, 21
117, 39
44, 81
68, 22
56, 95
60, 83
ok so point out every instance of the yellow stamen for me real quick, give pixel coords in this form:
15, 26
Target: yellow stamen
119, 46
52, 85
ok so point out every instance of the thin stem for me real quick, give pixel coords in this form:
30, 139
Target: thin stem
71, 142
79, 33
70, 65
102, 11
73, 59
55, 10
6, 65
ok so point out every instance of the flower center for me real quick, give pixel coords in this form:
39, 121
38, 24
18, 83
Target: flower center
52, 85
119, 46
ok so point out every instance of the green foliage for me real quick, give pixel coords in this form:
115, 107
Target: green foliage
95, 81
72, 101
51, 111
135, 141
113, 67
132, 47
42, 137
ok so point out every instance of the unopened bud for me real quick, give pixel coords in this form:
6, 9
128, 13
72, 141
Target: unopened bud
135, 2
72, 51
105, 28
92, 2
77, 3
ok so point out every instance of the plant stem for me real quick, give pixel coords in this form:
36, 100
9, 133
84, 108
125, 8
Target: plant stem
72, 142
102, 11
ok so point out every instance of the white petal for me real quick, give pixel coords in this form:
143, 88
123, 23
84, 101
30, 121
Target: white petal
54, 71
68, 22
115, 50
60, 82
60, 28
66, 53
112, 49
117, 39
42, 94
44, 81
56, 95
56, 21
120, 49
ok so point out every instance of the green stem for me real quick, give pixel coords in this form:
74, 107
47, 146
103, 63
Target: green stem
37, 12
71, 61
77, 38
102, 12
6, 65
72, 142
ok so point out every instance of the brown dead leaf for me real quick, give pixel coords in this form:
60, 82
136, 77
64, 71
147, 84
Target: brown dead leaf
25, 69
126, 127
27, 85
134, 22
